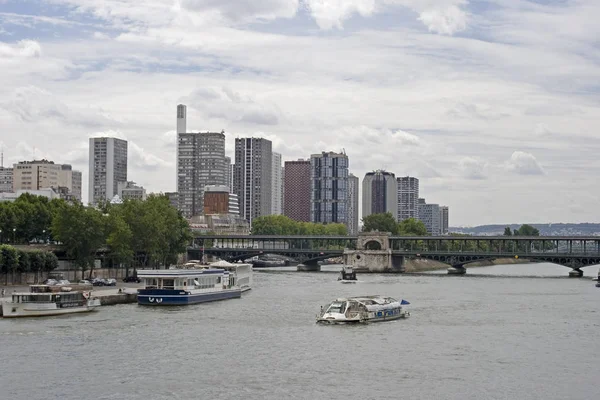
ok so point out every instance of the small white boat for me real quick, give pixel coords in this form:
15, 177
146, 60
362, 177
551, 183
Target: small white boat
347, 275
47, 300
362, 309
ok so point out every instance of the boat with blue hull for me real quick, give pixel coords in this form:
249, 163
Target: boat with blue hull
186, 286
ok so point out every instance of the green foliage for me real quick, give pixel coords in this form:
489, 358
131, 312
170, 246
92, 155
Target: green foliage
284, 226
9, 257
37, 261
24, 263
507, 231
412, 227
50, 261
527, 230
384, 222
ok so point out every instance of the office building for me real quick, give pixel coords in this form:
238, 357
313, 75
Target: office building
408, 195
107, 167
173, 199
329, 188
379, 194
430, 215
43, 174
276, 184
6, 180
252, 177
444, 219
130, 191
229, 179
297, 190
353, 184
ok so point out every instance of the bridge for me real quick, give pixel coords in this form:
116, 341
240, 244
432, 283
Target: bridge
574, 252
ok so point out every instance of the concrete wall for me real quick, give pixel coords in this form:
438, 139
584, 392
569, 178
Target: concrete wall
369, 260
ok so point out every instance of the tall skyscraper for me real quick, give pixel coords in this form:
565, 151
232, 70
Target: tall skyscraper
276, 184
201, 163
379, 193
353, 204
408, 195
444, 219
181, 118
107, 167
329, 187
252, 176
296, 189
229, 179
430, 215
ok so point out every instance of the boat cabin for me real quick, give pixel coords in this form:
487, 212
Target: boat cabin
63, 299
347, 274
185, 279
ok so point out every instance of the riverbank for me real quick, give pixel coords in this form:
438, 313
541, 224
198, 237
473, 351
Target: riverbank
423, 265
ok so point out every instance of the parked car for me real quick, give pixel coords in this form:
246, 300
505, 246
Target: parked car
84, 282
63, 282
110, 282
132, 279
98, 282
50, 282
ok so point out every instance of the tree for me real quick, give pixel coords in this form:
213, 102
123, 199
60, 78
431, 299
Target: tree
36, 262
507, 231
24, 265
412, 227
81, 231
527, 230
10, 261
50, 261
382, 222
119, 240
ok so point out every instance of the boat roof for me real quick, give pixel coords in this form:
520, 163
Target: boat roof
361, 299
182, 273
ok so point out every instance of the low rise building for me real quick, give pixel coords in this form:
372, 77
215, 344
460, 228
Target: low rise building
130, 191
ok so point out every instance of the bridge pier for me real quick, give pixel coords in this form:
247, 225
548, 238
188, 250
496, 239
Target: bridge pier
308, 267
575, 273
457, 270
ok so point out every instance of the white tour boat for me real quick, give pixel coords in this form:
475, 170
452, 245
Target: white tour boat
347, 275
362, 309
164, 287
46, 300
241, 272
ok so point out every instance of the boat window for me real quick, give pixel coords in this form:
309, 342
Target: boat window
168, 284
218, 279
335, 308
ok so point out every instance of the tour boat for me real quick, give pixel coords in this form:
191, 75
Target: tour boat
362, 309
164, 287
347, 275
241, 272
47, 300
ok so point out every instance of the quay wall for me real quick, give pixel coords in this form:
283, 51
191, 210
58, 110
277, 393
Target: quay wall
422, 264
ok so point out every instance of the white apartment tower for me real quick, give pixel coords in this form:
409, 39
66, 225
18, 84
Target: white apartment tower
276, 185
430, 215
408, 195
107, 167
353, 185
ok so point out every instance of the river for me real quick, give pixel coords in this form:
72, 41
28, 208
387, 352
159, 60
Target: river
502, 332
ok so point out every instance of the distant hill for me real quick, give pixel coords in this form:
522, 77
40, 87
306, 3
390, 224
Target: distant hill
586, 229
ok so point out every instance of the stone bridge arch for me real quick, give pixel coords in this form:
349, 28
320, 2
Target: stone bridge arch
373, 241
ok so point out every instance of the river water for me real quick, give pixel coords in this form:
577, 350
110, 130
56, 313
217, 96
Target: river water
503, 332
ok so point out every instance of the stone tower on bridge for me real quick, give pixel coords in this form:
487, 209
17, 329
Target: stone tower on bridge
373, 254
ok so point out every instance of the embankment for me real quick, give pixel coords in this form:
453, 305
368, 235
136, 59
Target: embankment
422, 264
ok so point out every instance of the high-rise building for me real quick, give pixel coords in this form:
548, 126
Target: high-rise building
379, 194
252, 177
408, 194
43, 174
229, 179
201, 162
353, 184
430, 215
173, 199
6, 180
297, 191
130, 191
329, 187
444, 219
107, 167
276, 184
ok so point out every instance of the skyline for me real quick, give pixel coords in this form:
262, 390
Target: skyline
491, 104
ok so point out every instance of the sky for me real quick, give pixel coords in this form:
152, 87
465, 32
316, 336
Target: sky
494, 105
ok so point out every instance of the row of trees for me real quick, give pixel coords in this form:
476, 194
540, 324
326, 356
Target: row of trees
385, 222
135, 233
282, 225
138, 233
13, 261
524, 230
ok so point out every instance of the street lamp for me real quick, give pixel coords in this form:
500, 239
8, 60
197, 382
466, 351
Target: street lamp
14, 235
44, 235
0, 236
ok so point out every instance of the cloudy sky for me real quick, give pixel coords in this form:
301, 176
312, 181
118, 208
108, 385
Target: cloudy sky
493, 104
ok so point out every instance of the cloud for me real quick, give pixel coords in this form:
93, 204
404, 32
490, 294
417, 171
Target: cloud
242, 10
142, 159
330, 14
23, 48
446, 21
226, 104
541, 130
34, 104
524, 163
473, 168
